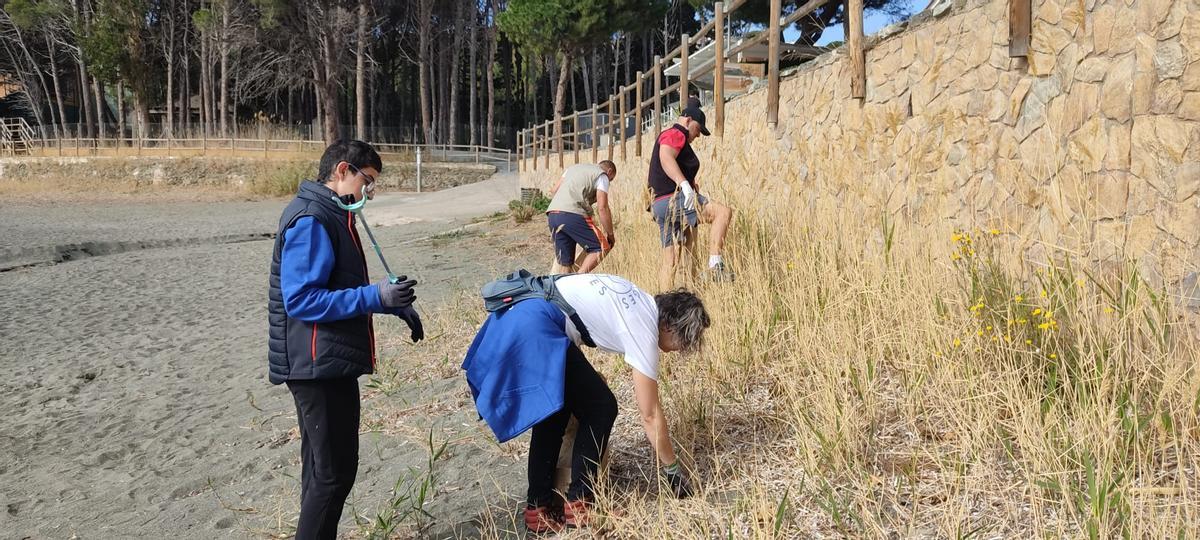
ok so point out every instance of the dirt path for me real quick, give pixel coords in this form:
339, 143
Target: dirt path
136, 395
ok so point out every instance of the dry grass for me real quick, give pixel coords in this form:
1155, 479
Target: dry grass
864, 381
860, 382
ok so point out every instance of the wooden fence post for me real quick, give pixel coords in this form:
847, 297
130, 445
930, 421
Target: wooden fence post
637, 116
547, 143
520, 150
854, 40
558, 127
595, 133
719, 71
658, 72
683, 72
1020, 15
621, 121
533, 145
773, 65
575, 134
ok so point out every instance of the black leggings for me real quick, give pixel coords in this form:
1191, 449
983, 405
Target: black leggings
328, 414
588, 398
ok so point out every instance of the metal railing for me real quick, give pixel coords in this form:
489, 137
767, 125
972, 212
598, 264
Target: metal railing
16, 137
265, 147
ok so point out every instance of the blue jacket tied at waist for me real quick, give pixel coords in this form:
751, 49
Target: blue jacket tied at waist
516, 366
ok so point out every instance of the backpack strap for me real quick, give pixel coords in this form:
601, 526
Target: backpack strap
554, 297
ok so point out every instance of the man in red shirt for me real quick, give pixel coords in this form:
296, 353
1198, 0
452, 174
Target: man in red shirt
678, 206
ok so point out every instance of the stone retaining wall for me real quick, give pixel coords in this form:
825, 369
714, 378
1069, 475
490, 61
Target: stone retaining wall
1092, 145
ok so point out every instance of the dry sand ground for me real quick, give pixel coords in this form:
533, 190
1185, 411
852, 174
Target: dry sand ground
133, 344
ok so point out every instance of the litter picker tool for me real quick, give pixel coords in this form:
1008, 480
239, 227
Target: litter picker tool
357, 209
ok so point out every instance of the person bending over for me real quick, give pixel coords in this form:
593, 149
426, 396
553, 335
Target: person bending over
526, 370
574, 222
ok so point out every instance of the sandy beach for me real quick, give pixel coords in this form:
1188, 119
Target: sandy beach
137, 403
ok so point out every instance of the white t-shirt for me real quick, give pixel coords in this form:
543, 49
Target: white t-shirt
620, 317
602, 183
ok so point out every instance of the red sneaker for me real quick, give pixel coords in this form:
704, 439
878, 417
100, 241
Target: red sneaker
539, 520
575, 514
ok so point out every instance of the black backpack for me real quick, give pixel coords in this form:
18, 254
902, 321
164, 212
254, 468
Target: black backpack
508, 291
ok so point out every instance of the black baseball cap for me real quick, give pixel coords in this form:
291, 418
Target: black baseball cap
696, 114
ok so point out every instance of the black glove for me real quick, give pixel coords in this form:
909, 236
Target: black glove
677, 481
409, 316
399, 294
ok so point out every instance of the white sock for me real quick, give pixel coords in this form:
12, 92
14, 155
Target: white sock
714, 260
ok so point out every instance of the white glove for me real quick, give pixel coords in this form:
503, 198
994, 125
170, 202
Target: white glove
689, 196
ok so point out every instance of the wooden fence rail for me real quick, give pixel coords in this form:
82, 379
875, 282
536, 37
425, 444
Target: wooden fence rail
536, 138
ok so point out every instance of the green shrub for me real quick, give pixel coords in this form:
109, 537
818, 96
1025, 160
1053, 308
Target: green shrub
541, 203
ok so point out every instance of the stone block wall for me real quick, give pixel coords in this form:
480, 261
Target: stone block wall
1091, 144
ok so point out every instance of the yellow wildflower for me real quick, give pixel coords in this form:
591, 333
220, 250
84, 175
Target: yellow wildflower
979, 333
1053, 356
957, 342
1037, 311
1108, 310
995, 232
1029, 342
956, 238
1043, 293
1018, 298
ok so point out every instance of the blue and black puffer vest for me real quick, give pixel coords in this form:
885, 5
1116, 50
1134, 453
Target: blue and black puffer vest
304, 351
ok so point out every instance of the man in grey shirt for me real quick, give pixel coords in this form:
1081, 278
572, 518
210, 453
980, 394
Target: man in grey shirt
570, 216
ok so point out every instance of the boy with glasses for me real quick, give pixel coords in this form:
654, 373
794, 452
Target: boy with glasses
321, 335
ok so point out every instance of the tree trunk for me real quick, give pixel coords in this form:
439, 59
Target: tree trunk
628, 58
141, 112
439, 93
425, 14
456, 57
205, 119
587, 84
100, 107
85, 127
185, 92
62, 111
120, 111
329, 91
225, 68
360, 92
574, 97
490, 73
167, 128
31, 91
317, 103
472, 114
169, 53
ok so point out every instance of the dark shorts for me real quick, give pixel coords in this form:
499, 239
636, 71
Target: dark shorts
570, 230
673, 221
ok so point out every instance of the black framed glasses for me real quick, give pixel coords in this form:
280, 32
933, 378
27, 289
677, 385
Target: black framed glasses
370, 179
